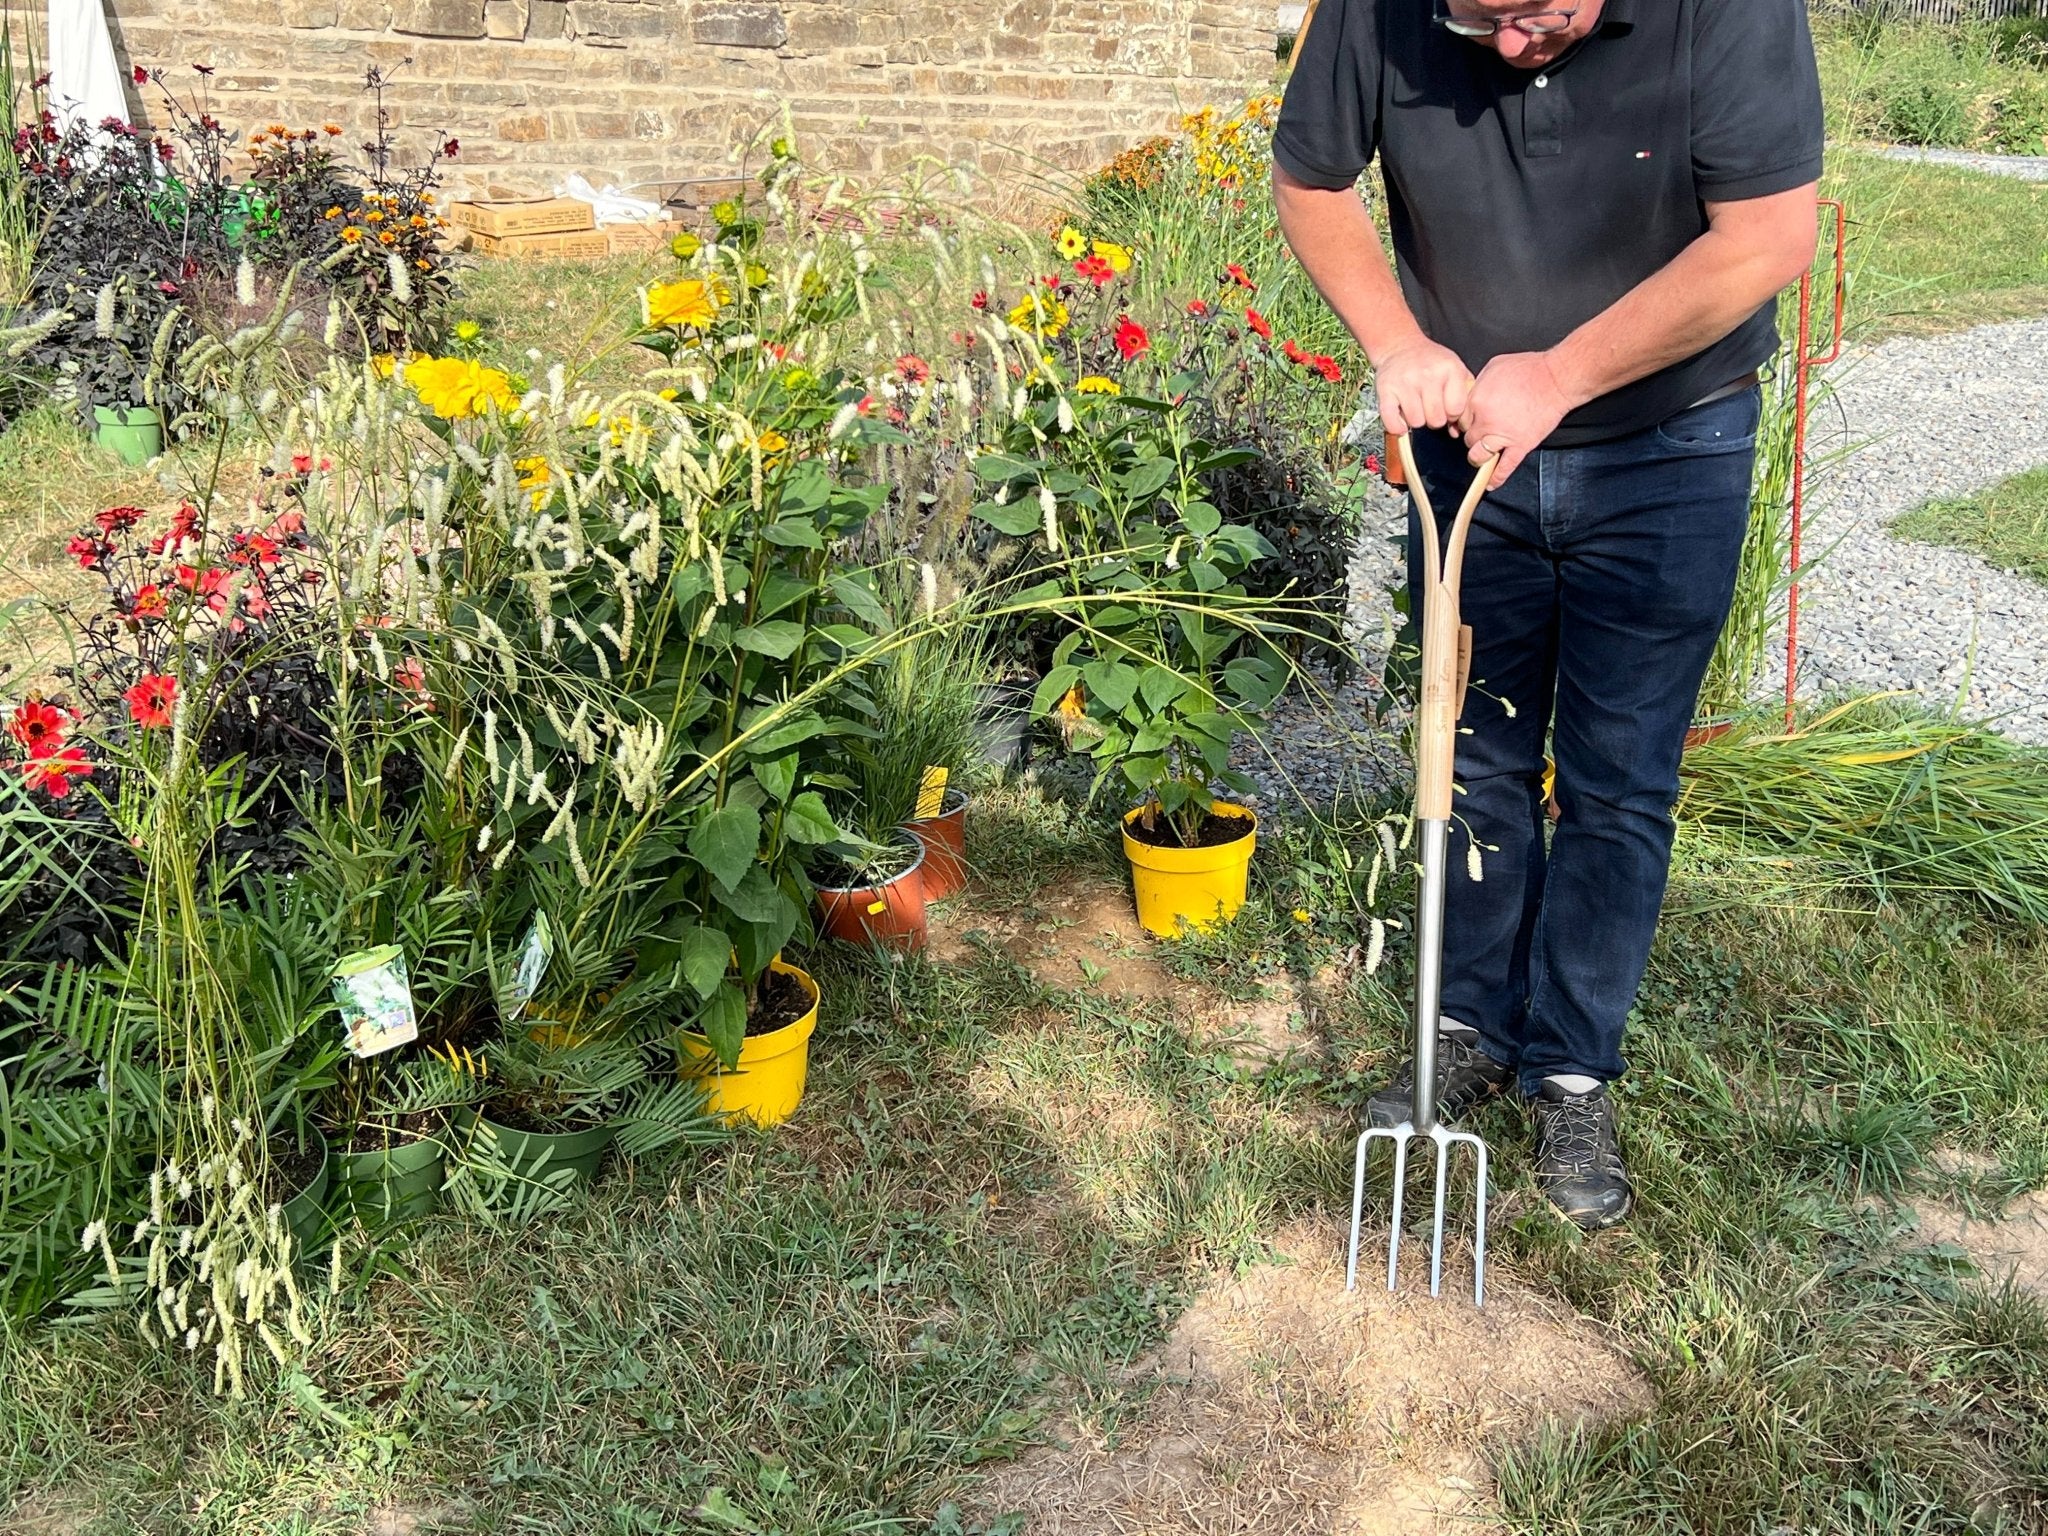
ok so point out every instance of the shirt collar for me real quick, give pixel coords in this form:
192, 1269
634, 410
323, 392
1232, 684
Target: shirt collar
1617, 16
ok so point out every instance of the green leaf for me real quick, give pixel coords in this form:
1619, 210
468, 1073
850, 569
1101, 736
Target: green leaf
1016, 518
1002, 467
1053, 687
807, 820
1225, 458
1114, 683
793, 533
778, 590
1207, 577
1256, 682
778, 638
1160, 686
705, 954
723, 1022
725, 841
777, 775
860, 600
757, 899
801, 726
1201, 518
1149, 478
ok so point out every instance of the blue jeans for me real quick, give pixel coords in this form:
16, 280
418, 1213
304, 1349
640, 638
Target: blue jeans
1596, 583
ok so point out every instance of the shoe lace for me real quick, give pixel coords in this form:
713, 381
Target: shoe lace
1575, 1133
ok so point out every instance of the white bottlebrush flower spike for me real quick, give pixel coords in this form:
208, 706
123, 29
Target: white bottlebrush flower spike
245, 283
1376, 946
1472, 864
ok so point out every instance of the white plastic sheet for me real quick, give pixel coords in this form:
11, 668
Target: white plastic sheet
85, 77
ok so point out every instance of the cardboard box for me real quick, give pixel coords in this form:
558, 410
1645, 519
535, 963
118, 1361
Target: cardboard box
532, 216
652, 236
579, 245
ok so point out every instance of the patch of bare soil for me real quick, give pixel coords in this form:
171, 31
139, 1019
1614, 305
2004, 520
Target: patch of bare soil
1082, 935
39, 1517
1286, 1405
2014, 1244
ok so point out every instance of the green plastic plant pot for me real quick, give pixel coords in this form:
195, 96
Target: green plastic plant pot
392, 1184
541, 1152
133, 434
304, 1212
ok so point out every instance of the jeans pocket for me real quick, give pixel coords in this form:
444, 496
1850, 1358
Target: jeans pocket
1719, 426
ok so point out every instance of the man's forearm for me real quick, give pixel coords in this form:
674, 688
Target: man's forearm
1333, 238
1707, 290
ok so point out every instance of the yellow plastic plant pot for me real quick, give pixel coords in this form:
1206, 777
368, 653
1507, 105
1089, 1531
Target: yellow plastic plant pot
768, 1083
1191, 887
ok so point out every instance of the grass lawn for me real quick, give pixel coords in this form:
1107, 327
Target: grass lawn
2007, 525
1933, 248
1057, 1234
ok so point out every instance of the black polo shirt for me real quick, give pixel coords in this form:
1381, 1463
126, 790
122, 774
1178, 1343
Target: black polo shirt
1524, 202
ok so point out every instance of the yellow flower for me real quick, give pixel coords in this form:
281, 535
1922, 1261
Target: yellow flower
387, 237
533, 471
756, 274
1096, 384
332, 213
1118, 256
456, 387
684, 246
690, 301
384, 363
351, 234
1070, 243
669, 394
1041, 313
1303, 915
467, 330
771, 443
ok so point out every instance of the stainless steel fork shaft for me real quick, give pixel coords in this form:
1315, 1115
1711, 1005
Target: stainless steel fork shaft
1429, 971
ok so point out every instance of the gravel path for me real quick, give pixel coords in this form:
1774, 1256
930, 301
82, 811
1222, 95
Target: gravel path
2025, 167
1911, 420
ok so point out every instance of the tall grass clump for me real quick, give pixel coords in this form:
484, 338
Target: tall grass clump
1965, 85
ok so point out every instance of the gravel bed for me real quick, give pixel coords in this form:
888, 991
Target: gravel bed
1914, 420
1909, 421
2025, 167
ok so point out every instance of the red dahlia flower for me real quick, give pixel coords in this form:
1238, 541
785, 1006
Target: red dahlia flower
89, 552
150, 602
1095, 269
118, 519
1239, 276
1198, 307
1258, 323
53, 774
150, 701
913, 369
209, 585
39, 727
1293, 350
1130, 337
1327, 367
980, 299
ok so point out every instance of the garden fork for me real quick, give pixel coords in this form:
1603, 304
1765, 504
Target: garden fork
1446, 662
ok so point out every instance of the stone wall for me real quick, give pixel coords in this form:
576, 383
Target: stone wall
650, 91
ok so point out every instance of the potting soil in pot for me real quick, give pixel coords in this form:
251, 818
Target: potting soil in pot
781, 1001
1214, 832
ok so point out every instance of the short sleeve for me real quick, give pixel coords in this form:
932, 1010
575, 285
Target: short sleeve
1329, 115
1756, 112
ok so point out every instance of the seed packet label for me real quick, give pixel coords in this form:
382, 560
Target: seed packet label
931, 793
374, 992
533, 964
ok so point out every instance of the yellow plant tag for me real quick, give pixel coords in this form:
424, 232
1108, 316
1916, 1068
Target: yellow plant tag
931, 793
876, 907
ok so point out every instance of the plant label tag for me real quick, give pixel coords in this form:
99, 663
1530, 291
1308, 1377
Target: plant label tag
534, 955
876, 908
931, 793
374, 992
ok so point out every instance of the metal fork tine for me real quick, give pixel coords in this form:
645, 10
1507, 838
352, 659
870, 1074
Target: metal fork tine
1436, 1238
1401, 1140
1357, 1211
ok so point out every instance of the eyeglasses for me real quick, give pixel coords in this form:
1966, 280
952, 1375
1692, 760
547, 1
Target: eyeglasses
1540, 24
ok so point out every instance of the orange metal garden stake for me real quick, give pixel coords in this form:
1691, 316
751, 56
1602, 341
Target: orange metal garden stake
1808, 360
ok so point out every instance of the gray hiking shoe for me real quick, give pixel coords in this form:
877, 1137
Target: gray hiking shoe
1466, 1077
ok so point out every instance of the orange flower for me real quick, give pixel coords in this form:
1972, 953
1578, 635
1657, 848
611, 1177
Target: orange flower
333, 213
351, 234
374, 216
332, 130
388, 238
